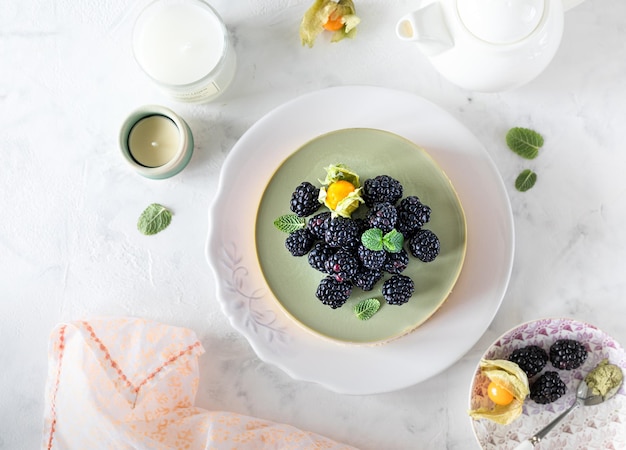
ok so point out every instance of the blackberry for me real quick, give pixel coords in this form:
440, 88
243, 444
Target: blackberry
547, 388
299, 242
382, 215
380, 189
567, 354
332, 292
342, 265
398, 289
366, 279
304, 200
424, 245
371, 259
362, 223
396, 262
342, 232
412, 215
319, 255
531, 359
318, 223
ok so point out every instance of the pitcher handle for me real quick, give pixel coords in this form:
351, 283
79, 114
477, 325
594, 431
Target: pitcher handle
427, 28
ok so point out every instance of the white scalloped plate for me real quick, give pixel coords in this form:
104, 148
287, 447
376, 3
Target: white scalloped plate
247, 300
592, 427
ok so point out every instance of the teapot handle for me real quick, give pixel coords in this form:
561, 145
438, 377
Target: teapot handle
569, 4
426, 27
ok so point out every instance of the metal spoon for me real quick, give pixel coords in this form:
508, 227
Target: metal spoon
583, 397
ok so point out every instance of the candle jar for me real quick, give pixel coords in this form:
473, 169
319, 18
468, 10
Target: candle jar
183, 46
156, 142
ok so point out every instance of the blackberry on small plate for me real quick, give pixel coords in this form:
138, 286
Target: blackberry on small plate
531, 359
304, 199
318, 256
366, 279
412, 215
299, 242
383, 216
567, 354
424, 245
332, 292
342, 265
547, 388
371, 259
380, 189
342, 232
318, 223
396, 262
398, 289
361, 223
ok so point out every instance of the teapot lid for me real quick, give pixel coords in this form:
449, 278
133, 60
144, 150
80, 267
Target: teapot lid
501, 21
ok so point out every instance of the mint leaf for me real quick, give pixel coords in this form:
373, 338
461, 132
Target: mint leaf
365, 309
393, 241
525, 180
153, 219
373, 239
525, 142
289, 223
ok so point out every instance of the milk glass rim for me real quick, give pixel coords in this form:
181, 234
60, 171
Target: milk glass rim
218, 66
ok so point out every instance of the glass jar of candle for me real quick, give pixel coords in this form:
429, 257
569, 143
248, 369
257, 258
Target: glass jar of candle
184, 47
156, 142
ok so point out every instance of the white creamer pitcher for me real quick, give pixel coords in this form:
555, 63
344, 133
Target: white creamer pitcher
487, 45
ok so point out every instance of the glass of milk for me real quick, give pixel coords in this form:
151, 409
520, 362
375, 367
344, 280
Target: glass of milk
184, 48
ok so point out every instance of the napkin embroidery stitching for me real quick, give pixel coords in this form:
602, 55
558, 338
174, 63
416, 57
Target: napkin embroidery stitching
114, 365
250, 427
60, 346
189, 349
53, 414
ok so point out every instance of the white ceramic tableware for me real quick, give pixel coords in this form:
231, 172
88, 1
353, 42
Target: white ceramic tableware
599, 427
487, 45
247, 300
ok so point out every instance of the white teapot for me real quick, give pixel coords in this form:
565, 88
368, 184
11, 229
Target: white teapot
487, 45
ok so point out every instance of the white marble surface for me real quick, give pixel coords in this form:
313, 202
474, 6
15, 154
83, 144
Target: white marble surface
69, 248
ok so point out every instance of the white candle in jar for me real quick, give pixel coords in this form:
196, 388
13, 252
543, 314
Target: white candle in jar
154, 140
184, 47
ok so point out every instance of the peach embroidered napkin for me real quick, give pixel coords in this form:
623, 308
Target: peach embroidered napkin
127, 383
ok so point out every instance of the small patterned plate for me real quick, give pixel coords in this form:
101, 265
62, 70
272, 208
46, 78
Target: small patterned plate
592, 427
